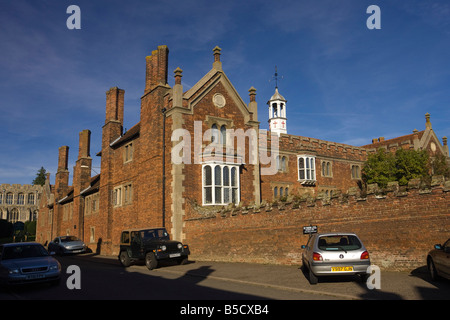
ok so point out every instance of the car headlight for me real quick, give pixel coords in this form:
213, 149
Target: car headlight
54, 267
179, 246
163, 248
14, 271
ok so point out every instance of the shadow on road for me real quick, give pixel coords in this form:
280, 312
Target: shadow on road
441, 286
105, 279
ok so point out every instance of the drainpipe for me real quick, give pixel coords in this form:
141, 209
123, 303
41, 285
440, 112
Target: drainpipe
163, 110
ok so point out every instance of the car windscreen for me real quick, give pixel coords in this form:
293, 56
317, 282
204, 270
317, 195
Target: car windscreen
23, 251
68, 239
155, 234
339, 243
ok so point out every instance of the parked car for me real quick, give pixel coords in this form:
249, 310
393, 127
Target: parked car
26, 262
332, 254
67, 245
151, 246
438, 261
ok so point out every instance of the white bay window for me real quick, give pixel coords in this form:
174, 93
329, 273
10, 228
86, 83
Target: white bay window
306, 169
220, 184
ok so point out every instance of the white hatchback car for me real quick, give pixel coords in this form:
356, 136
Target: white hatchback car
335, 254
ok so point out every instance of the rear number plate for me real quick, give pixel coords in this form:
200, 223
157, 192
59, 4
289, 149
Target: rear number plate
340, 269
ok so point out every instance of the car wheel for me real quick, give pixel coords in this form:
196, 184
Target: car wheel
150, 261
312, 277
432, 270
124, 259
364, 277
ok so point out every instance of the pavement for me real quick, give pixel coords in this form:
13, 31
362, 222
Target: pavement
414, 285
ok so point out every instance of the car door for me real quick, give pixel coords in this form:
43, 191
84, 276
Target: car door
307, 253
135, 245
53, 246
441, 258
445, 258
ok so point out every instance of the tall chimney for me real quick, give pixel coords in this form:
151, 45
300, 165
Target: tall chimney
156, 68
114, 105
62, 175
82, 170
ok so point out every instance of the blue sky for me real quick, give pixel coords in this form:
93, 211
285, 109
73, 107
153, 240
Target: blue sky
343, 82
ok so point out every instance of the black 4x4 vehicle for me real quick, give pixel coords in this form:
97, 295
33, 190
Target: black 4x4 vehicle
151, 246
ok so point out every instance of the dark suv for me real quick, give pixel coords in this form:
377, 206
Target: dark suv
150, 245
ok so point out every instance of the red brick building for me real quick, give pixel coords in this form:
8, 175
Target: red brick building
192, 153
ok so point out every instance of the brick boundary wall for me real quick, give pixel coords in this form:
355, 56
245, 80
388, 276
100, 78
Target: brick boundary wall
398, 225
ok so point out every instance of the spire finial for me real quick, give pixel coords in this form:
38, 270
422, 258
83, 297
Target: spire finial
275, 77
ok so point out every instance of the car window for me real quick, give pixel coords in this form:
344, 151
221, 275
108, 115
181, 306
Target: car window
446, 244
23, 251
338, 243
159, 234
125, 237
135, 237
310, 241
68, 239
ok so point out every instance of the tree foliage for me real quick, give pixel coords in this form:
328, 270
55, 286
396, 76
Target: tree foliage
383, 167
40, 177
440, 166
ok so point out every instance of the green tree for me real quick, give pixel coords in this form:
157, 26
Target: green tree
440, 166
379, 168
383, 166
410, 164
40, 177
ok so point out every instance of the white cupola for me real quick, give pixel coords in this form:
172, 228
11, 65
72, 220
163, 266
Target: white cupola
277, 113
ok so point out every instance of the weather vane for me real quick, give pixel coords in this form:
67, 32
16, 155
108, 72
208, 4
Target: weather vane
275, 77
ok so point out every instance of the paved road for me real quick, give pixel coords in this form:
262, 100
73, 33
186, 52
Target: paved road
102, 278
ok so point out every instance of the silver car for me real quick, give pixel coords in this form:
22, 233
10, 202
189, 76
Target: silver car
26, 262
332, 254
438, 261
66, 245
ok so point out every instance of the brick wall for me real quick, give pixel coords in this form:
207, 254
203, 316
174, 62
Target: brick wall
398, 227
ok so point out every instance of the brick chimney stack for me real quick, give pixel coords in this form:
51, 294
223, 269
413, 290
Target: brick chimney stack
82, 169
156, 68
62, 175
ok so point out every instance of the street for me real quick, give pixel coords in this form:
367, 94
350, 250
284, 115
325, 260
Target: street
103, 278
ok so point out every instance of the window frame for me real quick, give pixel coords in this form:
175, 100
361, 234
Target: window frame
219, 187
309, 169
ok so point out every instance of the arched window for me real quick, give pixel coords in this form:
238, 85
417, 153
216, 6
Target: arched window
21, 199
223, 134
283, 164
306, 168
275, 192
30, 198
9, 198
207, 185
215, 134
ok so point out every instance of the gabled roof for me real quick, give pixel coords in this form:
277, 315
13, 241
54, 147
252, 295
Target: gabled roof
93, 186
398, 140
127, 136
207, 83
